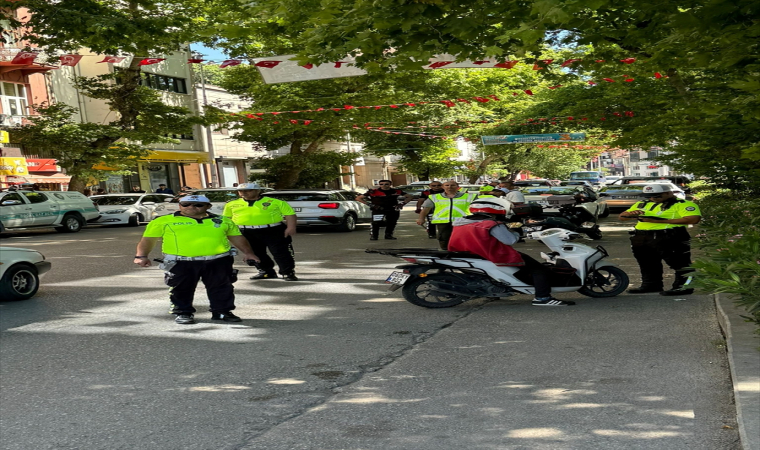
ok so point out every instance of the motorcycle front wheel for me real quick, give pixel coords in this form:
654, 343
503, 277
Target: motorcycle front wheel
607, 281
424, 291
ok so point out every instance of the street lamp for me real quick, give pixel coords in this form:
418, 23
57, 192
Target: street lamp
209, 136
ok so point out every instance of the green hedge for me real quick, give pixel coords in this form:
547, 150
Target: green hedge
729, 247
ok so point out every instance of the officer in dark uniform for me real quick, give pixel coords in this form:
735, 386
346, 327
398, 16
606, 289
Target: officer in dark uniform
196, 246
385, 203
661, 235
436, 187
268, 224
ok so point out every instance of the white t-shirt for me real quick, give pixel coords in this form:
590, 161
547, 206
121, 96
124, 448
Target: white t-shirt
514, 196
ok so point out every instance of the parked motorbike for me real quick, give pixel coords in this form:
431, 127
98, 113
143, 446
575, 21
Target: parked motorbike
441, 279
574, 218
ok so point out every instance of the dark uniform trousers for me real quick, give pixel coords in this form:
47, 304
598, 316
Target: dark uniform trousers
651, 247
216, 275
391, 219
281, 248
431, 226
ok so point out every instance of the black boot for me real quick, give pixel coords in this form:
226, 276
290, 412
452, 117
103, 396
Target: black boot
644, 289
291, 277
264, 276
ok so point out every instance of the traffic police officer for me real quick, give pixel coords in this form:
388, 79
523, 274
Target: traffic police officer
661, 235
386, 204
260, 219
436, 187
196, 246
448, 206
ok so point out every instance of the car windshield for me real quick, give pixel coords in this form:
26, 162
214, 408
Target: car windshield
548, 190
300, 196
628, 187
116, 200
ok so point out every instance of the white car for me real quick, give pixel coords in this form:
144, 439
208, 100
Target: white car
325, 207
67, 211
552, 197
132, 209
20, 272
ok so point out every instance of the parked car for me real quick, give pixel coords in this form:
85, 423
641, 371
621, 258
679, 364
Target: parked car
533, 182
552, 197
131, 209
575, 183
20, 272
679, 180
67, 211
415, 189
612, 179
622, 197
325, 207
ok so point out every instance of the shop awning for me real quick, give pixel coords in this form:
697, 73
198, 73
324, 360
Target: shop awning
54, 178
176, 156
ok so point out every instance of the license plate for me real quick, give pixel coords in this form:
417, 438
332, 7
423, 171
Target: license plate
296, 209
398, 278
531, 228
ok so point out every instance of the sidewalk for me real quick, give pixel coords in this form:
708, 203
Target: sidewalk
744, 359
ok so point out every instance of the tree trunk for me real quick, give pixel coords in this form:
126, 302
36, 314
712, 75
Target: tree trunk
77, 184
289, 178
482, 168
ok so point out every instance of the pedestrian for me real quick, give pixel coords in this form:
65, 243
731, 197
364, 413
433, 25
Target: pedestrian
385, 203
448, 205
436, 187
196, 246
268, 224
137, 190
661, 235
100, 191
484, 233
162, 189
512, 194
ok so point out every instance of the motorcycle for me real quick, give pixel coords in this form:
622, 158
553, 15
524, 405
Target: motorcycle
441, 279
574, 218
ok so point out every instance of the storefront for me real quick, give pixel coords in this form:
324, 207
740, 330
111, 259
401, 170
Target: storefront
172, 168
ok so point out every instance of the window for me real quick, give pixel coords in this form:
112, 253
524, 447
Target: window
35, 197
163, 83
13, 98
13, 196
635, 156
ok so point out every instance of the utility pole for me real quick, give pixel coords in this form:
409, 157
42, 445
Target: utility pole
209, 136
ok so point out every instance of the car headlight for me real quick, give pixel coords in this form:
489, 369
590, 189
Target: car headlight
116, 211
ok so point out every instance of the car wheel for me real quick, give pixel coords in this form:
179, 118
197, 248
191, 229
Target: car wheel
349, 223
71, 223
19, 282
606, 212
134, 220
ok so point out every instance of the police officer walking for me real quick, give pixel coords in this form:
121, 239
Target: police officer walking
447, 206
386, 204
196, 246
436, 187
661, 235
268, 224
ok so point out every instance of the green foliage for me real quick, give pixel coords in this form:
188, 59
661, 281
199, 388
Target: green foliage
316, 169
729, 243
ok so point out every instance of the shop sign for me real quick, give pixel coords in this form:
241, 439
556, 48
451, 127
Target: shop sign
13, 166
41, 165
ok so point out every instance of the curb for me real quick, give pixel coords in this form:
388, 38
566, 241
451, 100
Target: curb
744, 360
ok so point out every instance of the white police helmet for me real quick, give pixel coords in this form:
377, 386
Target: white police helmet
655, 189
194, 199
248, 187
491, 205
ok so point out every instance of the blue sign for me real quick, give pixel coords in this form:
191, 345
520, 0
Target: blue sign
531, 138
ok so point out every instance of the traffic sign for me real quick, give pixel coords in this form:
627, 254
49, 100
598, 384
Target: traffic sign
531, 138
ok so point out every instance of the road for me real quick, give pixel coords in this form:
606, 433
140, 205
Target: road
94, 361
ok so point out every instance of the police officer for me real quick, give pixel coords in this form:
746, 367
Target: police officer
661, 235
196, 246
436, 187
385, 204
448, 205
267, 223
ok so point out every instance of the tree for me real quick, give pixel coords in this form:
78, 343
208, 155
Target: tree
316, 168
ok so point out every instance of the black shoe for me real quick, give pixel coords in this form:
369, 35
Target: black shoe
184, 319
643, 290
227, 317
432, 237
390, 237
552, 302
678, 291
372, 238
264, 275
291, 277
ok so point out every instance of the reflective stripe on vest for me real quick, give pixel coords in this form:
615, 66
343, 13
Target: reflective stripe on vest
447, 209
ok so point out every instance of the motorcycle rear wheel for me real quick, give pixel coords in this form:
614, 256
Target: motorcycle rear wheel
422, 291
607, 281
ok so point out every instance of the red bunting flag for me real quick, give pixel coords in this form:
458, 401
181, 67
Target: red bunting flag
629, 113
448, 103
657, 75
463, 100
610, 80
348, 107
592, 83
481, 99
628, 60
600, 60
230, 63
571, 118
506, 64
252, 116
149, 61
267, 64
439, 64
275, 113
339, 63
568, 62
628, 79
24, 58
294, 121
112, 59
493, 97
411, 105
306, 122
195, 60
537, 66
555, 87
528, 91
308, 66
393, 106
70, 60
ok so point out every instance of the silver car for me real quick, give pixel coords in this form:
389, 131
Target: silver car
622, 197
325, 207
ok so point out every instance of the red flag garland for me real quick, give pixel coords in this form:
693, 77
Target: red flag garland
230, 63
149, 61
70, 60
112, 59
24, 58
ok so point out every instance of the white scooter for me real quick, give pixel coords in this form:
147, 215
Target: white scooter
440, 279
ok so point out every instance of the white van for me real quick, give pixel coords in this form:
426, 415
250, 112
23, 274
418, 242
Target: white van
67, 211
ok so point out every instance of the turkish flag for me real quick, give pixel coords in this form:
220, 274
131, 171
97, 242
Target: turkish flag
537, 66
24, 58
506, 64
112, 59
195, 60
70, 60
439, 64
230, 63
149, 61
628, 60
568, 62
448, 103
528, 91
267, 64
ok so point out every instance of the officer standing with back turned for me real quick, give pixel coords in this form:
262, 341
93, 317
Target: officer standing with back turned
267, 223
661, 235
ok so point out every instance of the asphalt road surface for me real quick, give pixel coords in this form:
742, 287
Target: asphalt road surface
95, 361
